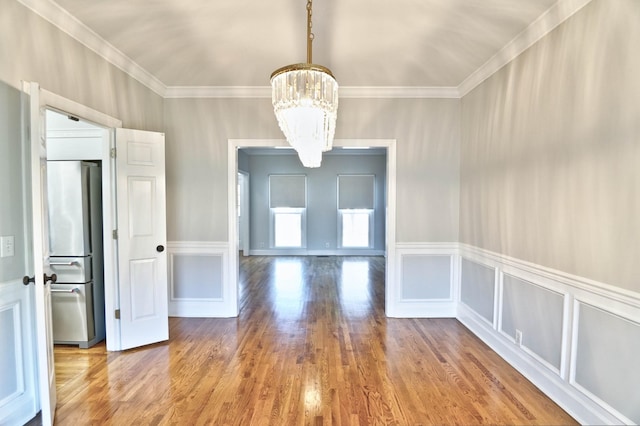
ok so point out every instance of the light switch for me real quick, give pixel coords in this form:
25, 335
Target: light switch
7, 246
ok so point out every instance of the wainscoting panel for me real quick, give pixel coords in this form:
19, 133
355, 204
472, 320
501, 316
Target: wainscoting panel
198, 279
536, 313
580, 338
606, 360
478, 289
427, 277
196, 276
17, 367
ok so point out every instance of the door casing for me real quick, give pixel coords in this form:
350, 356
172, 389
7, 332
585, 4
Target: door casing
230, 291
56, 102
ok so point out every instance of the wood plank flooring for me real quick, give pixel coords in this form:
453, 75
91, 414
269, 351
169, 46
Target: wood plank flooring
311, 347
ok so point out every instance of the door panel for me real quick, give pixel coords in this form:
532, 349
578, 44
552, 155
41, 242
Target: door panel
17, 387
39, 233
142, 237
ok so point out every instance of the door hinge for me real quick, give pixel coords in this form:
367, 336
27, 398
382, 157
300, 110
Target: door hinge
113, 153
117, 313
114, 234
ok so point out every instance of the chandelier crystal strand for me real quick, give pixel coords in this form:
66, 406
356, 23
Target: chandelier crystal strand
305, 101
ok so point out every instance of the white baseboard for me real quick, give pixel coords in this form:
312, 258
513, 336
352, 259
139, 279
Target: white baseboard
204, 308
423, 309
305, 252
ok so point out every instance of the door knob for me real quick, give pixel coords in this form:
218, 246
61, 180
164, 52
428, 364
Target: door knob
160, 248
26, 280
53, 278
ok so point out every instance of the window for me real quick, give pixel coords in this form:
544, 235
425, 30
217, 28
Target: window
355, 210
288, 205
287, 227
355, 227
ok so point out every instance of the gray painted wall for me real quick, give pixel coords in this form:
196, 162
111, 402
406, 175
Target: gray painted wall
607, 358
550, 152
322, 219
11, 197
477, 288
427, 132
32, 49
537, 313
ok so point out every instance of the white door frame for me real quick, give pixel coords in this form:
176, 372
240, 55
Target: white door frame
390, 253
57, 102
244, 225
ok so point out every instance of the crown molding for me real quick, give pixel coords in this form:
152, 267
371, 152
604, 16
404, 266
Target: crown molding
69, 24
176, 92
398, 92
547, 22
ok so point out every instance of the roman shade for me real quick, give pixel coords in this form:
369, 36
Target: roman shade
356, 192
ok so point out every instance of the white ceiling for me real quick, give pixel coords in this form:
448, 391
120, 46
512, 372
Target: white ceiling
366, 43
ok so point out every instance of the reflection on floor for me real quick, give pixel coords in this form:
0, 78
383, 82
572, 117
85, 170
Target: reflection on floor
311, 346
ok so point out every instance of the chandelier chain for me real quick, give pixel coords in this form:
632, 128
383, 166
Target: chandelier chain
310, 35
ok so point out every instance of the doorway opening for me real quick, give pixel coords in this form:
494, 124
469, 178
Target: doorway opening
390, 208
75, 228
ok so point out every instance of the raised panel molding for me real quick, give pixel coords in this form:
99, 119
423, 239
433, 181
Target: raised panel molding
212, 303
560, 385
402, 307
17, 387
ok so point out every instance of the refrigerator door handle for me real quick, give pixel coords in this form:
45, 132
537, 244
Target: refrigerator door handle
71, 290
63, 263
53, 278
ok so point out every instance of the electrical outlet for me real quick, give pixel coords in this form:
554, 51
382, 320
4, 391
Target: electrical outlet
7, 246
326, 245
518, 337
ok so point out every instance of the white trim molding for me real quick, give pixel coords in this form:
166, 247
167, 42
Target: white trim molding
216, 307
16, 302
402, 307
390, 221
547, 22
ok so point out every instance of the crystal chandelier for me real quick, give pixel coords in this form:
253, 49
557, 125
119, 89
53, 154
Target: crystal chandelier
305, 100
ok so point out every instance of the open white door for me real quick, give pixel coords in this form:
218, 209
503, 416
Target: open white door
142, 259
44, 331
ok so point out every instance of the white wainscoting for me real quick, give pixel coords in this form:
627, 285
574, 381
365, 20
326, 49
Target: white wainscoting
426, 281
585, 335
199, 284
17, 367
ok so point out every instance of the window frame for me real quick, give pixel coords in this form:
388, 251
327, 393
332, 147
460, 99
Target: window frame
369, 211
274, 211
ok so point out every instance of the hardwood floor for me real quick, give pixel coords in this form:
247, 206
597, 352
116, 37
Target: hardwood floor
311, 346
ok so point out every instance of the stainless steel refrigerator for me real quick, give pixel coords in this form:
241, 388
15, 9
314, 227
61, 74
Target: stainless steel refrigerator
75, 252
